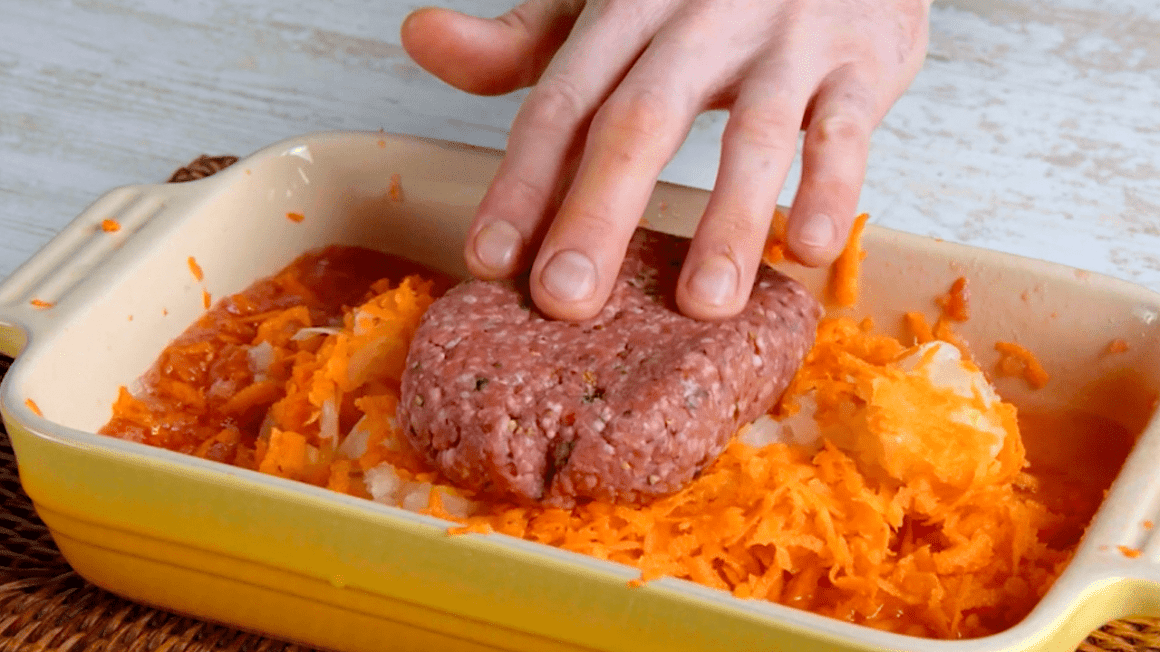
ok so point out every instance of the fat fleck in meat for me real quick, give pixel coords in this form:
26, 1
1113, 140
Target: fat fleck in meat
627, 406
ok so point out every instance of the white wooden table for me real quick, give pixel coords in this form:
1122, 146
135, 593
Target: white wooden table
1034, 127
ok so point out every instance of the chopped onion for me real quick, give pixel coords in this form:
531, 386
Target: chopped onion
354, 445
362, 322
312, 454
314, 331
801, 427
454, 504
267, 428
416, 496
383, 483
328, 421
762, 432
798, 429
946, 369
260, 356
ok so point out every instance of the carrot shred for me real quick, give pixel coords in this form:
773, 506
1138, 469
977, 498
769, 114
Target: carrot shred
110, 226
206, 298
1117, 345
1130, 553
295, 217
285, 455
776, 250
1148, 525
917, 325
1015, 360
846, 270
195, 269
956, 302
33, 406
37, 303
395, 191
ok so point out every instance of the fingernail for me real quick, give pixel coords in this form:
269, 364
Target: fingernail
569, 276
715, 281
496, 245
817, 232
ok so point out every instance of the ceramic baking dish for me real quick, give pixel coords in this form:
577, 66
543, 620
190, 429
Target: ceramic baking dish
312, 566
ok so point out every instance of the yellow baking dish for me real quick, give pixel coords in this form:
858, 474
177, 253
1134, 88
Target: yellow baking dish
93, 309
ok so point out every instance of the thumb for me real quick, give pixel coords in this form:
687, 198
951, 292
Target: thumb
489, 56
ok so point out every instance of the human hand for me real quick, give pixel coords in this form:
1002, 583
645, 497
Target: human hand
617, 84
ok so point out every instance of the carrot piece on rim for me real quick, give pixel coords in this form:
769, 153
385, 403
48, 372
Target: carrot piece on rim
1017, 360
845, 272
956, 302
195, 269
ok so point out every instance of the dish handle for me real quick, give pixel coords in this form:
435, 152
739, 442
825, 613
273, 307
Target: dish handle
1131, 585
38, 295
1120, 557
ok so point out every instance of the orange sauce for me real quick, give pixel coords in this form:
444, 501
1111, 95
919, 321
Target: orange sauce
184, 401
1074, 456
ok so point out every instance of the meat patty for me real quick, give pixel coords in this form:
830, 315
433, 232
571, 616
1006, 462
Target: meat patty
624, 407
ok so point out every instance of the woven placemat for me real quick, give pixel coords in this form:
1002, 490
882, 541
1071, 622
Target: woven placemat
46, 607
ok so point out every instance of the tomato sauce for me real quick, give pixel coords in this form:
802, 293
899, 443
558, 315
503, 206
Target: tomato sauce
201, 397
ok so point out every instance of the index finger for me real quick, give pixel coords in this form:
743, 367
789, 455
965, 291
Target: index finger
631, 139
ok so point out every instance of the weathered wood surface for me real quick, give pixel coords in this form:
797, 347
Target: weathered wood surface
1034, 127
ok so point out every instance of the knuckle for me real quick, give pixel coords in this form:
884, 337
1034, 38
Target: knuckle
839, 129
640, 114
555, 105
762, 128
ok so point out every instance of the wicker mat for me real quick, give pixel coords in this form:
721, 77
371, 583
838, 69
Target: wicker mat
46, 607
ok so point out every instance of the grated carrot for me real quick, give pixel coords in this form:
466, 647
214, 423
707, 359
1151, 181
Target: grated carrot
195, 269
1130, 553
285, 456
110, 226
1148, 525
846, 270
917, 325
955, 303
33, 406
295, 217
395, 191
1015, 360
37, 303
775, 249
206, 299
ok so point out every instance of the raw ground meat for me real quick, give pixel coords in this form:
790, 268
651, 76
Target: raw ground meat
624, 407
